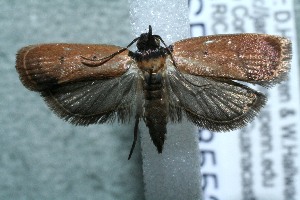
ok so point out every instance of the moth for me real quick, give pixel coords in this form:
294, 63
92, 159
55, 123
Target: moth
198, 78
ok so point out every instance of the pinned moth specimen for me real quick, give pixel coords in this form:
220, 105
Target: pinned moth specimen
198, 78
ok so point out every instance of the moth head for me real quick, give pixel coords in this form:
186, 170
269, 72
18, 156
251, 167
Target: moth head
148, 41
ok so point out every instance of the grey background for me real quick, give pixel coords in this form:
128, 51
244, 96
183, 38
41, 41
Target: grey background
41, 156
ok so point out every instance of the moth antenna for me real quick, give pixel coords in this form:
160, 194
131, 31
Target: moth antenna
100, 61
169, 49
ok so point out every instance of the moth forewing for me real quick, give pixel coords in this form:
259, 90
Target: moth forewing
43, 66
255, 58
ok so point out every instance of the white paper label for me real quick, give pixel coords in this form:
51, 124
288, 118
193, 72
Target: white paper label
262, 160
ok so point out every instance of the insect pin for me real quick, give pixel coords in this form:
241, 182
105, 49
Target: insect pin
195, 77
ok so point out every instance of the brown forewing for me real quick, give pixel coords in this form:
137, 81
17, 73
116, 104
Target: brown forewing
44, 65
256, 58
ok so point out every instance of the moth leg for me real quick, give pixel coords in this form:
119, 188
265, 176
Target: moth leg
135, 133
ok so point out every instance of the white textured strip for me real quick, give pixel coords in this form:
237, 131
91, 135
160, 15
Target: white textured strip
175, 173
